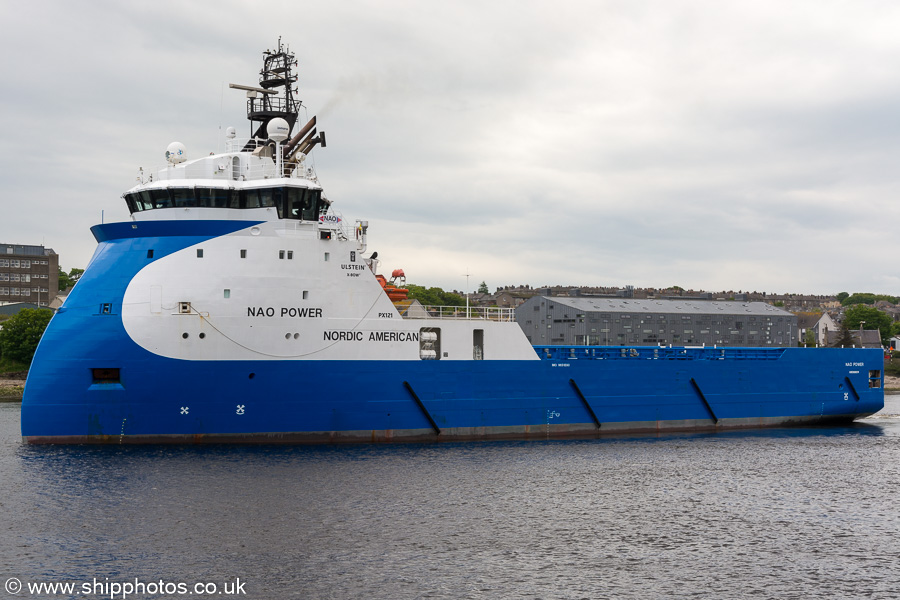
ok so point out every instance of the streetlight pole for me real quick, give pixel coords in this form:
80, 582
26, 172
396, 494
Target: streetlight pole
467, 275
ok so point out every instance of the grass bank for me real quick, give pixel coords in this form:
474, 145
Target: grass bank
12, 379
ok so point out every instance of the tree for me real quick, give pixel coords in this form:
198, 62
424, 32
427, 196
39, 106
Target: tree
866, 298
874, 318
810, 338
483, 288
845, 339
22, 332
67, 280
434, 296
842, 296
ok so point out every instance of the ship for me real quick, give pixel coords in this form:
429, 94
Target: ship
237, 305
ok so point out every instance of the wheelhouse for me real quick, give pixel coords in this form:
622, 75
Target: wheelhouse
291, 202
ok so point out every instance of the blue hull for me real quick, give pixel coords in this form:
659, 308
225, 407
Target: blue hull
170, 400
582, 391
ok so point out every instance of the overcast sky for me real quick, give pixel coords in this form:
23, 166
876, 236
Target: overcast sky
708, 144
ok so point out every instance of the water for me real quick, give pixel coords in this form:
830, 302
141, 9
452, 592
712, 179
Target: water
786, 513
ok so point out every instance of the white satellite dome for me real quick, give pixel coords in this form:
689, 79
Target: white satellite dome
278, 129
230, 133
175, 153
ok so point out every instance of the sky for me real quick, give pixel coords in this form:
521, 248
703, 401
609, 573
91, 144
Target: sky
716, 145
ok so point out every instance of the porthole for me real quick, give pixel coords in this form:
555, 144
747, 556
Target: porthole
296, 336
184, 335
287, 336
202, 335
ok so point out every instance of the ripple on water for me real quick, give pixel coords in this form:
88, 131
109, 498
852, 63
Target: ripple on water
773, 513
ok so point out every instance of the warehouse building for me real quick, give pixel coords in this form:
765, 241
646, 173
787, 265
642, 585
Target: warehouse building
599, 321
28, 274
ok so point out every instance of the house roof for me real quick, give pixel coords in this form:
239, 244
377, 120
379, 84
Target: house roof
808, 320
871, 338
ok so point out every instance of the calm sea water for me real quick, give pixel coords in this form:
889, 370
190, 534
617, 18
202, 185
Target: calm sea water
786, 513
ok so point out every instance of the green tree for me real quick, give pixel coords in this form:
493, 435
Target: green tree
67, 280
483, 288
845, 339
840, 297
809, 339
865, 298
874, 318
22, 332
434, 296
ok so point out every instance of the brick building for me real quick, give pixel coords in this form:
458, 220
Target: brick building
28, 274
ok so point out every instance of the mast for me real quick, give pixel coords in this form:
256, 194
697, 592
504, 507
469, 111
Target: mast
277, 76
274, 98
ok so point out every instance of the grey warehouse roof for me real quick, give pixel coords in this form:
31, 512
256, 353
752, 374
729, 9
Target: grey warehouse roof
697, 307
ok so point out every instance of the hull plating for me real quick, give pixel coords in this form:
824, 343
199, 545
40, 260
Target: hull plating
162, 400
565, 393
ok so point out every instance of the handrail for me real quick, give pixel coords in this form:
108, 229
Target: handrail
472, 313
655, 353
220, 166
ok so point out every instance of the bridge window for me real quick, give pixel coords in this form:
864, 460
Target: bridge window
214, 197
258, 198
301, 203
292, 203
182, 197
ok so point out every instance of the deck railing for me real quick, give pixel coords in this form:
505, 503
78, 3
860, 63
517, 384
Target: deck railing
482, 313
565, 353
221, 166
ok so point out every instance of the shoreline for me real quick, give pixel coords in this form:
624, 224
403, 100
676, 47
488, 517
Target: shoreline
11, 389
